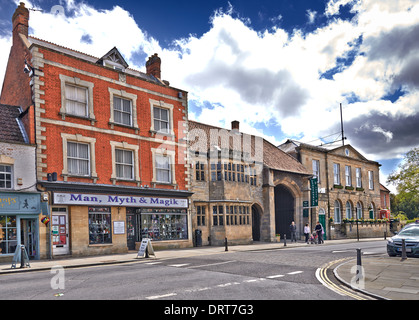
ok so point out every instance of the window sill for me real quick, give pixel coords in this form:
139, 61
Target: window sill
163, 134
63, 115
113, 124
66, 176
115, 180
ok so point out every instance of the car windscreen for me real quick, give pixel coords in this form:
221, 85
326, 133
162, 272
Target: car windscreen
413, 231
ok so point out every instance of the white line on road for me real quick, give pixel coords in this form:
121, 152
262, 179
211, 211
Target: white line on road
295, 272
161, 296
275, 276
212, 264
178, 265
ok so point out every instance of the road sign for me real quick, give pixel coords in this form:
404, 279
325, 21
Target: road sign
305, 209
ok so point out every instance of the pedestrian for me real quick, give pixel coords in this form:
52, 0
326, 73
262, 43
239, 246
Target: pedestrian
293, 230
319, 231
306, 232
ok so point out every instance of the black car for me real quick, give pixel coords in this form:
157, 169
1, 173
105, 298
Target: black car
411, 237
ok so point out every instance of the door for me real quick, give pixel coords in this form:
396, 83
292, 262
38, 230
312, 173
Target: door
255, 224
29, 236
284, 210
322, 220
131, 227
59, 230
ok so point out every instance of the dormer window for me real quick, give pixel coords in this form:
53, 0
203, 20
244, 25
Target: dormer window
113, 59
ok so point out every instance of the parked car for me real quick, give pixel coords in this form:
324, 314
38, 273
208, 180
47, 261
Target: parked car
411, 236
413, 224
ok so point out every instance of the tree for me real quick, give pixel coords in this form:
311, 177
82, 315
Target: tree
407, 181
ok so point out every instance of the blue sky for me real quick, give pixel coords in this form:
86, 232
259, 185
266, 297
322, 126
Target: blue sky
279, 67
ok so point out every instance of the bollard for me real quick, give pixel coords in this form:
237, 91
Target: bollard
404, 255
285, 240
226, 246
146, 252
358, 257
385, 235
22, 256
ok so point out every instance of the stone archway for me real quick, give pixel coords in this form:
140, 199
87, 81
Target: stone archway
284, 210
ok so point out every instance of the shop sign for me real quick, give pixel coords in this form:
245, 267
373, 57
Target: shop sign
22, 203
118, 200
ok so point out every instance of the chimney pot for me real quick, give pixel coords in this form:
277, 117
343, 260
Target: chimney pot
235, 125
153, 66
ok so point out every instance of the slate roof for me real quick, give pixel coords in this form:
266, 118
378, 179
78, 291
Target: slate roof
10, 127
199, 139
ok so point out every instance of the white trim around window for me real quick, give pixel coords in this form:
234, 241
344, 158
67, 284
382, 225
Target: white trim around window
161, 105
78, 138
126, 96
129, 147
77, 83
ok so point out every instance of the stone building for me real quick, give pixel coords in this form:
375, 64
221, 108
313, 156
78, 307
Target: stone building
244, 188
348, 185
110, 147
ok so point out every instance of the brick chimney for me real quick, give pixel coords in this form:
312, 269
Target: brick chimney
153, 66
20, 20
235, 125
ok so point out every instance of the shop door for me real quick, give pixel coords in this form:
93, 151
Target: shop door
29, 236
59, 229
131, 234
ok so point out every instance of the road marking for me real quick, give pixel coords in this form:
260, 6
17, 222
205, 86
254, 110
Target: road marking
150, 263
162, 296
321, 275
211, 264
295, 272
254, 280
275, 276
178, 265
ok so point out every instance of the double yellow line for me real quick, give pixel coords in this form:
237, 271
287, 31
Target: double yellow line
321, 275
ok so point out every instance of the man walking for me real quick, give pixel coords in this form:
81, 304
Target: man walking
293, 230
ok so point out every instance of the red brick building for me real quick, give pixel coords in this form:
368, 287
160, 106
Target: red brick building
111, 151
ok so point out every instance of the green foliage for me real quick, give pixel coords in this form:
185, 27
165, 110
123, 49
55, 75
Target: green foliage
407, 180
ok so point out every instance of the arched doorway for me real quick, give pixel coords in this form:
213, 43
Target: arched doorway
284, 210
256, 215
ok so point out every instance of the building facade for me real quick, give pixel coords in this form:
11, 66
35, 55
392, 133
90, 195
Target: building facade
244, 188
111, 153
348, 185
21, 207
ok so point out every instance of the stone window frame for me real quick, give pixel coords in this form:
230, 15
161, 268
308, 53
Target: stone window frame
78, 138
125, 146
162, 105
78, 83
128, 96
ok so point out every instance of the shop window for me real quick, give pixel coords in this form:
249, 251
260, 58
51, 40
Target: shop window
164, 224
5, 176
100, 225
8, 234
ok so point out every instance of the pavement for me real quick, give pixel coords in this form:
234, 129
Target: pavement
386, 278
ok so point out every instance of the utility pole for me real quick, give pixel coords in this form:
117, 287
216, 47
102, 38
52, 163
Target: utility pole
341, 125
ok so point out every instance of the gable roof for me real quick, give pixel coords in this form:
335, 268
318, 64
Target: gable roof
11, 129
115, 56
272, 157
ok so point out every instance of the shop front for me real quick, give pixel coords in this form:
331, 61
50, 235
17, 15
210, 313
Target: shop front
88, 223
20, 224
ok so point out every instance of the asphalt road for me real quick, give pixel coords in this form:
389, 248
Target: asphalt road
281, 274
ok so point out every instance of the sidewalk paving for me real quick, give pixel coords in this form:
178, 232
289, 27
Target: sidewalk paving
385, 277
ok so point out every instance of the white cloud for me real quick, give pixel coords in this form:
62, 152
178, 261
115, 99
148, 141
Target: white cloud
272, 76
